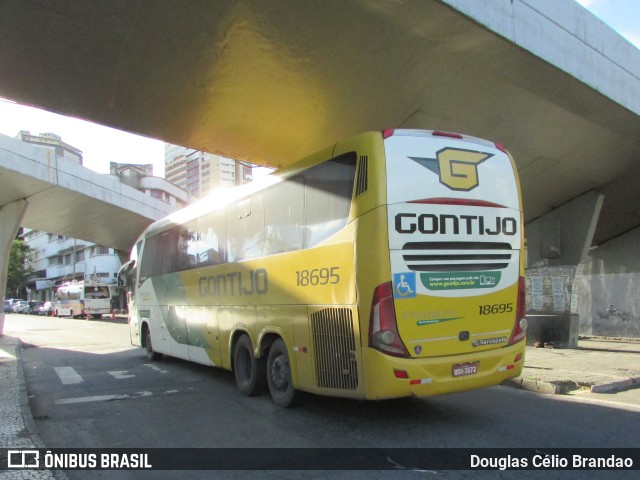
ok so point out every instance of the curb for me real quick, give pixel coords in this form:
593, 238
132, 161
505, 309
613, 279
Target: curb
616, 386
560, 387
537, 386
27, 416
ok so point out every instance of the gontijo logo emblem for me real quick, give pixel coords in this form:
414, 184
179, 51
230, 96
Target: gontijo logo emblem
457, 168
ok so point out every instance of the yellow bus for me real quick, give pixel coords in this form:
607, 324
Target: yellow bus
386, 265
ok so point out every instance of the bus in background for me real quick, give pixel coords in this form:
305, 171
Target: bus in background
82, 299
390, 264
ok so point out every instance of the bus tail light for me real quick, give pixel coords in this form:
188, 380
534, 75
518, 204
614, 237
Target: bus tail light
383, 328
387, 133
501, 147
467, 202
520, 327
440, 133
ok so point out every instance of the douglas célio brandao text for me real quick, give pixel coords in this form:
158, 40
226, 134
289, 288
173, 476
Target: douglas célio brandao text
550, 461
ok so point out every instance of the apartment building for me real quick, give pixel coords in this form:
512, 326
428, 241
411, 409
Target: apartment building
198, 172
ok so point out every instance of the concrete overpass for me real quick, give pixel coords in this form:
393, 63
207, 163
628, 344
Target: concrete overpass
46, 192
54, 194
272, 81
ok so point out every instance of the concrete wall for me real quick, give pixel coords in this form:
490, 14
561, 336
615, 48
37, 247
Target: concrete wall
610, 289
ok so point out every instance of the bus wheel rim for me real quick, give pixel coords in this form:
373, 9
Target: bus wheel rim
279, 373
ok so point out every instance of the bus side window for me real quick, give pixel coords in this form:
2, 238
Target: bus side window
245, 229
211, 239
328, 193
284, 216
148, 266
187, 247
160, 254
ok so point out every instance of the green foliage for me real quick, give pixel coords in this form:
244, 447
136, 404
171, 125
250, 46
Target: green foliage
18, 269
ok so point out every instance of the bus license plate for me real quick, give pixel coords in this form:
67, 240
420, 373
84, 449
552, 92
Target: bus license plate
462, 369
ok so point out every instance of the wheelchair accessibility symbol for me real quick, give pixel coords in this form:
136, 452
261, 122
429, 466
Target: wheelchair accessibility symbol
404, 285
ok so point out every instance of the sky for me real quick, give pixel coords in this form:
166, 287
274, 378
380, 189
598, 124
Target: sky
621, 15
101, 145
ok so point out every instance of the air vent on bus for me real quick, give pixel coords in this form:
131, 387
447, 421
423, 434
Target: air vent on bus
335, 348
363, 172
456, 256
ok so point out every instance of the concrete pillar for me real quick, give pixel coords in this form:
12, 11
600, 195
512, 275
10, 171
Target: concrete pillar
557, 246
10, 220
564, 235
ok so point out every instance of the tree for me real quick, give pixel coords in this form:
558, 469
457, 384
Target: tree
18, 268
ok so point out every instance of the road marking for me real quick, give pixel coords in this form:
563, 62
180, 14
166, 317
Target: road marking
67, 375
155, 367
101, 398
120, 374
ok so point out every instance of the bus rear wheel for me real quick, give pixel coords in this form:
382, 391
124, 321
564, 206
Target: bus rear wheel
279, 375
248, 370
151, 354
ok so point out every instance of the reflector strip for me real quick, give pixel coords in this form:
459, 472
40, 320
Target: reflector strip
300, 349
505, 368
420, 381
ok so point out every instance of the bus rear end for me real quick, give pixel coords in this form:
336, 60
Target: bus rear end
97, 299
451, 316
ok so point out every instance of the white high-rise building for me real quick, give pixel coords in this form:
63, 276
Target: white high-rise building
198, 172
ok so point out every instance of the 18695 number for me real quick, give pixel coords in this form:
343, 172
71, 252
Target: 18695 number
495, 308
317, 276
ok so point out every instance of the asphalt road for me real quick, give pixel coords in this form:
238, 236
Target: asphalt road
88, 387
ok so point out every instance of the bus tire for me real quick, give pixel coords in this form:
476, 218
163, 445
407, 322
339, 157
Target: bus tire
248, 370
279, 375
151, 354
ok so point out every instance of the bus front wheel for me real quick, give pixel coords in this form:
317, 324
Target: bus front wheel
151, 354
248, 370
279, 375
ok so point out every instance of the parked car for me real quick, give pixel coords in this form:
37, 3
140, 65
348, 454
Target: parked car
12, 302
34, 307
20, 306
45, 308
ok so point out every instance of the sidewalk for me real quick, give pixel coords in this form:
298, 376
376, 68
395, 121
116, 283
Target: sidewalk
599, 364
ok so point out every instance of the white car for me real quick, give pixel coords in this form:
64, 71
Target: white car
9, 303
20, 306
45, 309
